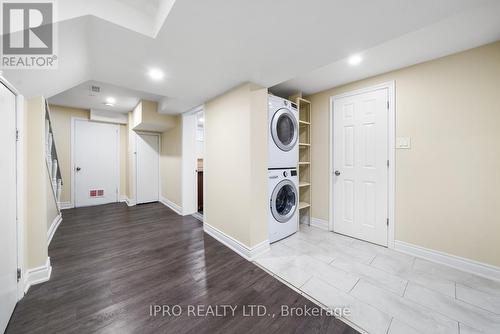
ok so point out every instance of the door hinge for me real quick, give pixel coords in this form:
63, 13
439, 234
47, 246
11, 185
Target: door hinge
387, 163
18, 274
17, 134
387, 221
387, 104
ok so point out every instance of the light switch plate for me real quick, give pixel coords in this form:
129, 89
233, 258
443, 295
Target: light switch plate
403, 143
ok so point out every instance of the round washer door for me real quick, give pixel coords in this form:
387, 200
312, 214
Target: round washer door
284, 129
284, 201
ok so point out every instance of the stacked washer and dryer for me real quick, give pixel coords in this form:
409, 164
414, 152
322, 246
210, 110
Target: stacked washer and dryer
283, 158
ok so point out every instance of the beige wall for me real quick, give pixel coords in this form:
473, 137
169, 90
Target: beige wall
447, 184
61, 122
235, 165
40, 207
171, 163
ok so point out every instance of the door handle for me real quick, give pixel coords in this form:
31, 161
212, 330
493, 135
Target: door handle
78, 169
337, 173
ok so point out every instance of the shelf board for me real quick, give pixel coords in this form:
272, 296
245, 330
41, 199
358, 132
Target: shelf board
304, 122
302, 100
304, 184
304, 163
303, 205
304, 144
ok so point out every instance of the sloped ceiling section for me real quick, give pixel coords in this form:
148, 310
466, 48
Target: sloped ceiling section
207, 47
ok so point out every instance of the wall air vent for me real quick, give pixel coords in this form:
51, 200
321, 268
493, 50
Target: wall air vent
93, 193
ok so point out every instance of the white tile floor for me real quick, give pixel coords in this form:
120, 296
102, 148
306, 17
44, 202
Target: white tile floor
387, 291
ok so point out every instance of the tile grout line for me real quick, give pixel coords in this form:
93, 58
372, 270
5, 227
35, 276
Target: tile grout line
406, 287
389, 327
349, 292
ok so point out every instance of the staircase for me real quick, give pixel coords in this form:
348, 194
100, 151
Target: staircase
52, 161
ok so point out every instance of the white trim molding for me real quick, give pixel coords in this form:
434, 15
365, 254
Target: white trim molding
130, 202
391, 154
168, 203
320, 223
457, 262
198, 216
249, 253
53, 228
65, 205
37, 275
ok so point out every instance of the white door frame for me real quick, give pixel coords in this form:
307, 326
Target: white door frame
20, 116
391, 128
158, 135
190, 194
19, 182
72, 153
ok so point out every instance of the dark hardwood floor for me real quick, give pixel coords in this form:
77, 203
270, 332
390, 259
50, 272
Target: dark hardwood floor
111, 262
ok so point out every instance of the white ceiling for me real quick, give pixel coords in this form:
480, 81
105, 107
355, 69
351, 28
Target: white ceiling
81, 96
462, 31
207, 47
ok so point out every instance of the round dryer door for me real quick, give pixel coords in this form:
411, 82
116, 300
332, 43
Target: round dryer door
284, 201
284, 129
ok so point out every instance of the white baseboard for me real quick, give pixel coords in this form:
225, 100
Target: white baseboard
248, 253
319, 223
65, 205
53, 228
460, 263
37, 275
198, 216
130, 202
171, 205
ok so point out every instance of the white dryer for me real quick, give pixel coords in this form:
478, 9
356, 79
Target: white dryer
283, 203
283, 136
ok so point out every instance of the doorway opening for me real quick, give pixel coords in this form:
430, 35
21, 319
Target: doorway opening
200, 151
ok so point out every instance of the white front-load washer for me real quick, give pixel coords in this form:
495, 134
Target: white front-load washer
283, 203
283, 121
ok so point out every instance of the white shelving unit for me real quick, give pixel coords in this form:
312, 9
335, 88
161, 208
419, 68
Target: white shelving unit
304, 167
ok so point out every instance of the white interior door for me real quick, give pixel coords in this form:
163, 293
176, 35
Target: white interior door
360, 162
8, 234
148, 167
96, 163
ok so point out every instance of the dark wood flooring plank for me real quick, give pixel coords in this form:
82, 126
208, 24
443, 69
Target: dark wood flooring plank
111, 262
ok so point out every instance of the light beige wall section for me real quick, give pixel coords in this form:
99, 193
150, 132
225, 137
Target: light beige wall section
61, 122
36, 250
235, 164
447, 183
145, 117
171, 163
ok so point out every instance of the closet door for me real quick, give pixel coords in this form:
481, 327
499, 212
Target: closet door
8, 228
148, 167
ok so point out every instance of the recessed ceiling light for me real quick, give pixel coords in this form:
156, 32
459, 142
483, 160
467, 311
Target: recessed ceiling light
110, 101
156, 74
355, 60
